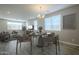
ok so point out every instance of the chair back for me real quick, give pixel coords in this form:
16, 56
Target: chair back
56, 39
24, 38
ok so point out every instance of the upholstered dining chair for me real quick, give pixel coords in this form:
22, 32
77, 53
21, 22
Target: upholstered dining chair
54, 39
57, 44
25, 38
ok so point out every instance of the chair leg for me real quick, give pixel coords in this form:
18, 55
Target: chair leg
17, 47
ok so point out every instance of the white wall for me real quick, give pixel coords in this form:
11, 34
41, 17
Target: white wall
3, 25
71, 36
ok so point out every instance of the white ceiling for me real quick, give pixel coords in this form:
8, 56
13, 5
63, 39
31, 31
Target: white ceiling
27, 11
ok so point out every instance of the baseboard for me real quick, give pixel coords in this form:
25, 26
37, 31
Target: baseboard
68, 43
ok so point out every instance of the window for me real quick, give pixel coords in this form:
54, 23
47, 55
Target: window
14, 25
35, 25
53, 23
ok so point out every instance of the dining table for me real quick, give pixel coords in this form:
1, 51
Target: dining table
34, 35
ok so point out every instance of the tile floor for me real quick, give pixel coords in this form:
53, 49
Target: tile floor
9, 48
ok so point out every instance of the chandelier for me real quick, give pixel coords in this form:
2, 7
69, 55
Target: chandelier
41, 15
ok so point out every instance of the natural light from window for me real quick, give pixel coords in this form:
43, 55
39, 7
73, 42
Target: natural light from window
53, 23
14, 25
35, 25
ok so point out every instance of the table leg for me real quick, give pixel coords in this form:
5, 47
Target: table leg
17, 47
20, 45
59, 47
56, 48
31, 47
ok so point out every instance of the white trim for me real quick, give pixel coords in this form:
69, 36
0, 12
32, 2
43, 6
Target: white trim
68, 43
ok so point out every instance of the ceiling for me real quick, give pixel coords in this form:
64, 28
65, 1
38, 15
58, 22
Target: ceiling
28, 11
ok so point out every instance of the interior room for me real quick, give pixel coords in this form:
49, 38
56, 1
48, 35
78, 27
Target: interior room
39, 29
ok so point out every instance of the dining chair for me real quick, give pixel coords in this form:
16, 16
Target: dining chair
53, 39
25, 38
57, 44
